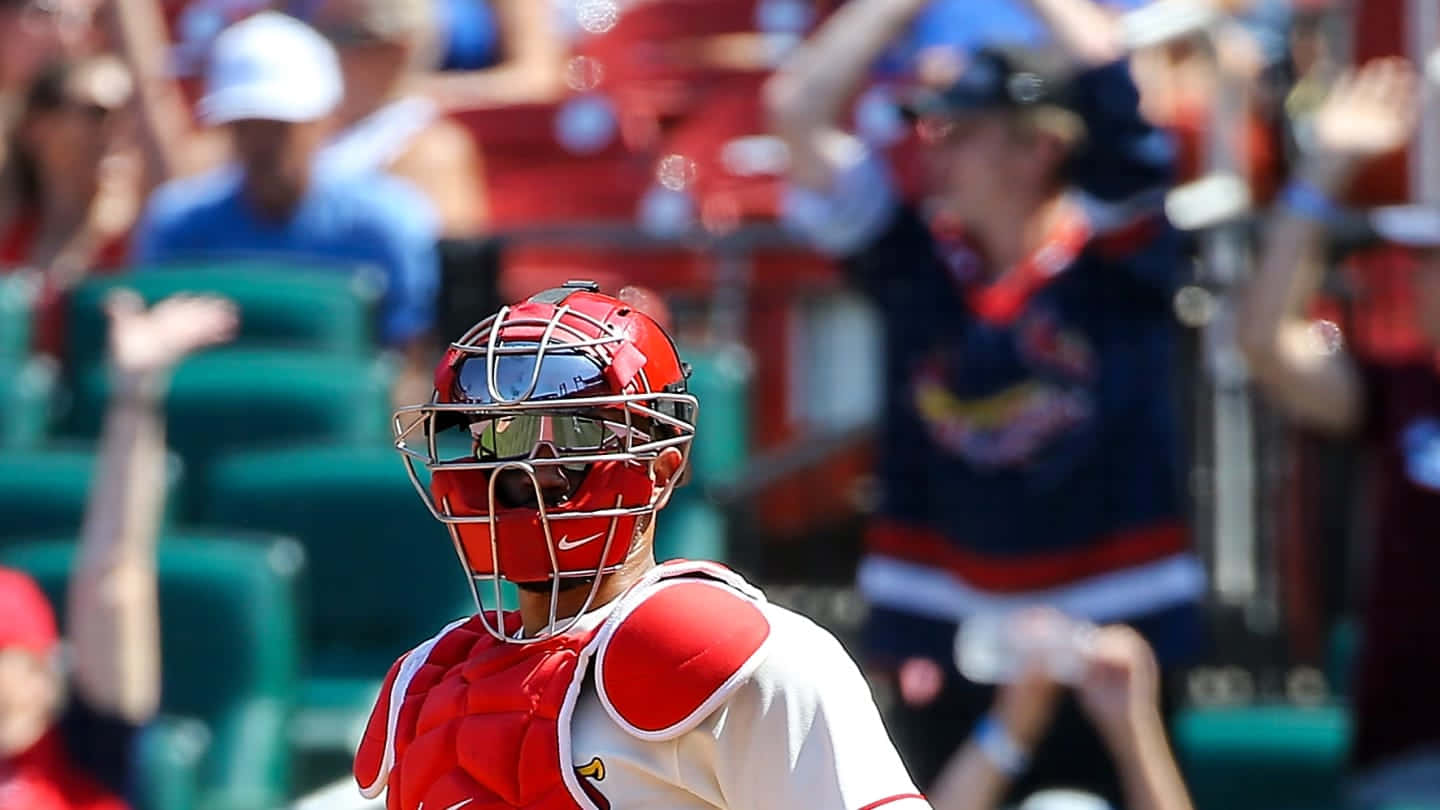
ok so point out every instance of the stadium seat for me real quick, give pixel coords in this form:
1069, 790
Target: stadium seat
564, 162
27, 391
17, 301
690, 528
1340, 656
43, 490
238, 398
281, 305
167, 773
383, 574
720, 379
229, 643
660, 57
1274, 757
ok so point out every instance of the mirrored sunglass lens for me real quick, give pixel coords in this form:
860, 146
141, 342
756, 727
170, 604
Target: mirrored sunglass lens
577, 433
507, 436
510, 437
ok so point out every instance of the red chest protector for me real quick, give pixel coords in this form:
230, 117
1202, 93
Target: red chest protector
465, 719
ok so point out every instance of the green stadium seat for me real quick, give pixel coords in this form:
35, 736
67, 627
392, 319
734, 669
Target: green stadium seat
690, 528
17, 306
229, 642
383, 573
171, 753
43, 490
720, 379
27, 392
1274, 757
239, 399
282, 305
1340, 657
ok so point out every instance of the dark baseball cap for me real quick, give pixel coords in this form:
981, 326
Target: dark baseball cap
997, 78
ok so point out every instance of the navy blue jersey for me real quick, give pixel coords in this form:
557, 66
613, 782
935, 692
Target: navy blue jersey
1030, 444
1032, 430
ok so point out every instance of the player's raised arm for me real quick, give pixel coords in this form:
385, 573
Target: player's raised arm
1368, 113
806, 97
113, 607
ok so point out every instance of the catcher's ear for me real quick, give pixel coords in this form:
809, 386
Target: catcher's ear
667, 465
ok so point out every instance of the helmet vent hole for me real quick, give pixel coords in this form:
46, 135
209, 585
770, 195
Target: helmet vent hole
623, 311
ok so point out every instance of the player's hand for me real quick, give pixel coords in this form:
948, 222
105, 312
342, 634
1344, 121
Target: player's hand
1369, 112
151, 341
1120, 688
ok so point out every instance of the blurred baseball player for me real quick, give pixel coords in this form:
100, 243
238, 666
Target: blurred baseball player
619, 682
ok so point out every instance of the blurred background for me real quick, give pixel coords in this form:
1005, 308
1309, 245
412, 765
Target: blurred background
481, 150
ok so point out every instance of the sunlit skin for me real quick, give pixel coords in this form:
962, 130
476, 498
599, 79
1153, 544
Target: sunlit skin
988, 173
276, 156
87, 175
372, 65
70, 140
29, 696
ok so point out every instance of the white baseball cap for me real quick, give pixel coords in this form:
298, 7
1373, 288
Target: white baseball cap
271, 67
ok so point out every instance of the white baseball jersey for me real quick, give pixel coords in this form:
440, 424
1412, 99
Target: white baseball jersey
801, 732
689, 692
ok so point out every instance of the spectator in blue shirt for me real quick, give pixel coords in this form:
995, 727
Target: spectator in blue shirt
1030, 449
274, 84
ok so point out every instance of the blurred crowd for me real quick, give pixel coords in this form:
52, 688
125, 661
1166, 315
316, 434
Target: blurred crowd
1024, 244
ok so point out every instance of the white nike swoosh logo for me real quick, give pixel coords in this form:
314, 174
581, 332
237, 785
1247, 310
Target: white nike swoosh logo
455, 806
566, 544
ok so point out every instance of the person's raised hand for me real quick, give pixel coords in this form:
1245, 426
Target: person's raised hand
1026, 706
1120, 687
149, 341
1369, 112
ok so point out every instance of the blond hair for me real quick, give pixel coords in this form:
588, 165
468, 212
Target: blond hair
1049, 120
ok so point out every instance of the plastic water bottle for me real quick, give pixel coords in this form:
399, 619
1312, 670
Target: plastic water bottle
995, 647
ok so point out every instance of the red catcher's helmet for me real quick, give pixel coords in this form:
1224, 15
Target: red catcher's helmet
570, 385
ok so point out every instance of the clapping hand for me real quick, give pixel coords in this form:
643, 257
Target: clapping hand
1120, 688
146, 342
1369, 112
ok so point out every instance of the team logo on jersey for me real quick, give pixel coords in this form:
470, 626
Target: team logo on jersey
1421, 446
590, 773
1004, 429
1046, 345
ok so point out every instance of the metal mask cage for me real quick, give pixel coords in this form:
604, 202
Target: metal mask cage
668, 420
